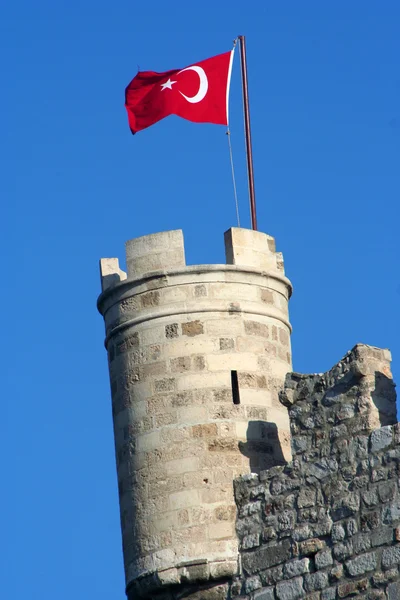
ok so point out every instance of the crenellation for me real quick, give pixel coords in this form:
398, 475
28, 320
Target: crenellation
155, 252
110, 273
250, 248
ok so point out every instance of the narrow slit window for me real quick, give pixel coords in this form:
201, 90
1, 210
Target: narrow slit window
235, 387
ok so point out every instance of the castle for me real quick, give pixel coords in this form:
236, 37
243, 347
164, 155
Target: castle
237, 477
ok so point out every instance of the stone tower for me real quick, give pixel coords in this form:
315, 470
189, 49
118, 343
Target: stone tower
197, 357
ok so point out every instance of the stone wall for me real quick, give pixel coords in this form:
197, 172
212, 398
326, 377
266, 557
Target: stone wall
327, 525
197, 357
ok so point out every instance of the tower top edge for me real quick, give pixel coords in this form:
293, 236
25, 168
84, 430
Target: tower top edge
150, 254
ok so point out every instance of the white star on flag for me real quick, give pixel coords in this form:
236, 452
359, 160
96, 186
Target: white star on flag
168, 84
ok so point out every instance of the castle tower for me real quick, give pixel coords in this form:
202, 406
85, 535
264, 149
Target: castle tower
197, 357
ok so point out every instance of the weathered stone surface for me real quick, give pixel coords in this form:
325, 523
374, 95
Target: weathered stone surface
296, 567
393, 591
382, 536
252, 584
338, 533
290, 590
341, 473
323, 559
266, 557
171, 330
391, 557
265, 594
311, 546
381, 438
328, 594
316, 581
192, 328
352, 588
362, 564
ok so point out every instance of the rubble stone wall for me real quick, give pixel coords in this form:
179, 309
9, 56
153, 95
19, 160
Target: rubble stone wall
327, 525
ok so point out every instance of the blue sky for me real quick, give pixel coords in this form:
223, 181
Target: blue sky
325, 107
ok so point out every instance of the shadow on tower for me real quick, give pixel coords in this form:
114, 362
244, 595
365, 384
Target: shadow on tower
262, 446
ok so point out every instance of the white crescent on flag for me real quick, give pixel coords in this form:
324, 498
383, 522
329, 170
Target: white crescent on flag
203, 85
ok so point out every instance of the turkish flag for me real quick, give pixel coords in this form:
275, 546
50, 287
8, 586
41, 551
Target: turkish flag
198, 93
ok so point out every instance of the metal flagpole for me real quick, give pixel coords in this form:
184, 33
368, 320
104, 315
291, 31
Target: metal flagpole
246, 110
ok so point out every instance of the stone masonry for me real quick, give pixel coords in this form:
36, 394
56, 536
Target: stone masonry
239, 479
197, 356
326, 526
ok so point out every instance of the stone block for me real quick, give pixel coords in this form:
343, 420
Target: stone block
382, 537
250, 541
391, 557
381, 438
192, 328
181, 465
203, 380
329, 594
226, 343
232, 361
323, 559
223, 568
148, 441
252, 584
267, 296
370, 520
167, 384
129, 342
204, 430
172, 330
110, 273
188, 415
266, 557
361, 543
316, 581
224, 327
256, 328
222, 530
391, 513
180, 364
387, 491
155, 252
393, 591
362, 564
150, 299
249, 248
200, 291
352, 588
257, 346
306, 497
296, 567
265, 594
290, 590
183, 499
311, 546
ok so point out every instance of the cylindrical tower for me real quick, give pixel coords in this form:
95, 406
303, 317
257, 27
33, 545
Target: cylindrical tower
197, 357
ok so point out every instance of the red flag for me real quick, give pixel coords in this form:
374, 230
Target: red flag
198, 93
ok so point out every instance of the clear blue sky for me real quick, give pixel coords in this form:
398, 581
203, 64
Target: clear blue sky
325, 107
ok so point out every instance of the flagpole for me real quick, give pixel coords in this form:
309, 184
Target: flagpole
246, 110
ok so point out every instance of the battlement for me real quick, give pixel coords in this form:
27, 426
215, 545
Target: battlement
165, 251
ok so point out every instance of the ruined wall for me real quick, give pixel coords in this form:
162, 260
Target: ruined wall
327, 525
